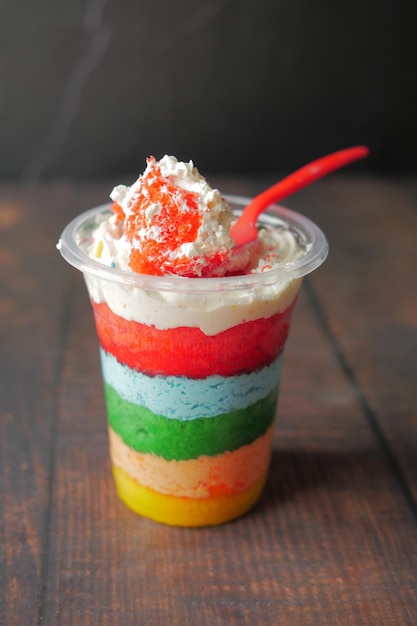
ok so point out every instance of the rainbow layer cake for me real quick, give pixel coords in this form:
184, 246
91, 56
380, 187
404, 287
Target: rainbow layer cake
190, 415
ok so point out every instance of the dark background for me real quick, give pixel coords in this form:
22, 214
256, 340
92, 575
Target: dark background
89, 88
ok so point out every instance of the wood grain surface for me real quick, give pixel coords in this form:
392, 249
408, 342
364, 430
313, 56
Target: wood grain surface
333, 540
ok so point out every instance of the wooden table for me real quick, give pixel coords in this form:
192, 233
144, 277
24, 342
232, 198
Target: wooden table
334, 539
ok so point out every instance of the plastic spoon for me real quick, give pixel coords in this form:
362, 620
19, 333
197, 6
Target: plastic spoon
244, 230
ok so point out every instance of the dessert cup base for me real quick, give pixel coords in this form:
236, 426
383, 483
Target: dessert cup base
177, 511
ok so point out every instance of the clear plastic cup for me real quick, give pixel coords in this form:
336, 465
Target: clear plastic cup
191, 370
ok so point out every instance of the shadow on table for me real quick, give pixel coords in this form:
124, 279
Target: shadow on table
322, 475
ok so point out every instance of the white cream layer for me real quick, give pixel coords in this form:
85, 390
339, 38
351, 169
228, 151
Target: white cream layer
212, 313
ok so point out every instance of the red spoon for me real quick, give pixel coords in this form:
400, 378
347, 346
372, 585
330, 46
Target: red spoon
244, 229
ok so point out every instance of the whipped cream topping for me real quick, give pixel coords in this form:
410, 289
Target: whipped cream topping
170, 219
113, 245
216, 310
276, 247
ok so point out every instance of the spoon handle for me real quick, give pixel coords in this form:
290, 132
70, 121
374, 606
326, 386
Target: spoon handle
244, 229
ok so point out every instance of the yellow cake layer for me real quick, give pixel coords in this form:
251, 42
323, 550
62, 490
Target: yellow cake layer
204, 477
180, 511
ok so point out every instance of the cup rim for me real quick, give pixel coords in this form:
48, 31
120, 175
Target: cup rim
312, 235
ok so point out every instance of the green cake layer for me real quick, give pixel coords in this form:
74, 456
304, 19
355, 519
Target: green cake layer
174, 439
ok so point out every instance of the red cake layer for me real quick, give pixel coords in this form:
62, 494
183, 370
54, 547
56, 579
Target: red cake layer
188, 351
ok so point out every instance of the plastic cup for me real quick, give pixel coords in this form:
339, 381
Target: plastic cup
191, 370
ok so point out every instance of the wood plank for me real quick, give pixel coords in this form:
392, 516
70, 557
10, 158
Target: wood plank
368, 295
35, 288
31, 333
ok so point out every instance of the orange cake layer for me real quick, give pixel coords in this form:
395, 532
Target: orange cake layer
205, 476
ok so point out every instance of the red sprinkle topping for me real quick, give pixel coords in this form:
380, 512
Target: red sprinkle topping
156, 237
